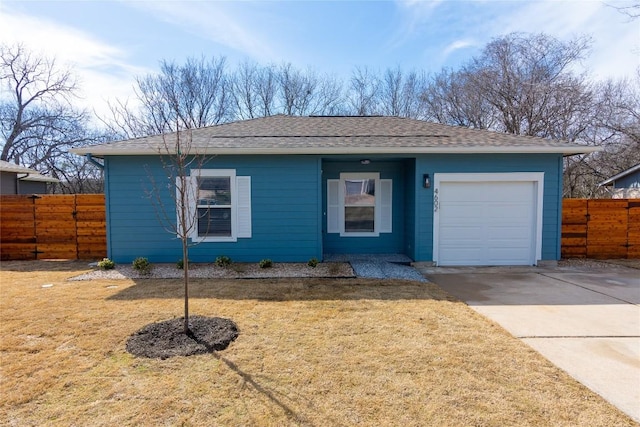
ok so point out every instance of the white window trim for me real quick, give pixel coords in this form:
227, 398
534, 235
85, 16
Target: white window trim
376, 218
536, 177
231, 173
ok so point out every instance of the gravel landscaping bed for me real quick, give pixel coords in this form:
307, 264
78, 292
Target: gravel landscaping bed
357, 267
235, 271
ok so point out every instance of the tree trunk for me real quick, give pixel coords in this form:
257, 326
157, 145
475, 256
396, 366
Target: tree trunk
185, 261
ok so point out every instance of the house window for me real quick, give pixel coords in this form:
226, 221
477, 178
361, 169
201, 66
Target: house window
214, 206
220, 206
359, 205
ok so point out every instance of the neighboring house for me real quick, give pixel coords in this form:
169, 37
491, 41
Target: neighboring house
16, 179
292, 188
625, 185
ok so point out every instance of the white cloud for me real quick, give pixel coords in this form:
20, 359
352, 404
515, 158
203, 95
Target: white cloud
615, 40
215, 21
414, 15
102, 70
457, 45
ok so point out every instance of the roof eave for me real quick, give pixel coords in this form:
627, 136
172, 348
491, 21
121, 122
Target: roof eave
38, 178
620, 175
349, 151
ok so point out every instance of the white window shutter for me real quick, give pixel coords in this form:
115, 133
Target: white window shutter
333, 206
386, 203
243, 186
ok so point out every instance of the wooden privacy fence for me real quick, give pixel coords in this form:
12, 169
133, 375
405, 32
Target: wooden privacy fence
601, 228
52, 226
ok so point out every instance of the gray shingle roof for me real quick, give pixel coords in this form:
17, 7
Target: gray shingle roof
336, 135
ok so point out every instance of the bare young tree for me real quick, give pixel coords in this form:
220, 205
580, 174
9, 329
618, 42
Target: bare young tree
178, 158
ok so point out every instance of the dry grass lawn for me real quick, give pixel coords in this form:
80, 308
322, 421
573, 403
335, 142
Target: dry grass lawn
311, 352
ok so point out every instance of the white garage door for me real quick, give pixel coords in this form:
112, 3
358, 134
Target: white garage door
487, 219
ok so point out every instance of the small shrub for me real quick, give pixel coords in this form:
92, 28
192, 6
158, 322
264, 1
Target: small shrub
142, 265
180, 264
266, 263
313, 262
106, 264
223, 261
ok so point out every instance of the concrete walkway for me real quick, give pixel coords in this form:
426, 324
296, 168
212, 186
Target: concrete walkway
586, 322
379, 266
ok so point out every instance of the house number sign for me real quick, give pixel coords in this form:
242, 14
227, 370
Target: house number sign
435, 200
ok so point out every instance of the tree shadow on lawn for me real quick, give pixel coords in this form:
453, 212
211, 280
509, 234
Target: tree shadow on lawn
272, 395
289, 289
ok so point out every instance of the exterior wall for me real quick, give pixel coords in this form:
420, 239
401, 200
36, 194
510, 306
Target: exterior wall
285, 203
448, 163
288, 205
32, 187
8, 183
393, 242
410, 208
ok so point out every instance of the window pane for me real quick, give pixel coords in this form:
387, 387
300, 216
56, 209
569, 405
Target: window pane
359, 219
214, 222
360, 192
214, 190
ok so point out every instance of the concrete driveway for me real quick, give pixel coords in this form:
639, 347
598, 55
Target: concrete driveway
585, 321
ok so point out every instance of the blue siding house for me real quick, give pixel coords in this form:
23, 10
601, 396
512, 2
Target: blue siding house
624, 185
293, 188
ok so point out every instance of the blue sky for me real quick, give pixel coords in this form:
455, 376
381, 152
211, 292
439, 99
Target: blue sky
107, 43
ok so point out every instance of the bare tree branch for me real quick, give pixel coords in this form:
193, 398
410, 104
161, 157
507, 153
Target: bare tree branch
38, 122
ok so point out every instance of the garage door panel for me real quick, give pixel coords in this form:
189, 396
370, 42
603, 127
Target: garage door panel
510, 233
466, 256
516, 210
459, 192
487, 223
500, 257
462, 234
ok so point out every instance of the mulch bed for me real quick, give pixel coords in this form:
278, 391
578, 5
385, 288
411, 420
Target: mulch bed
167, 339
